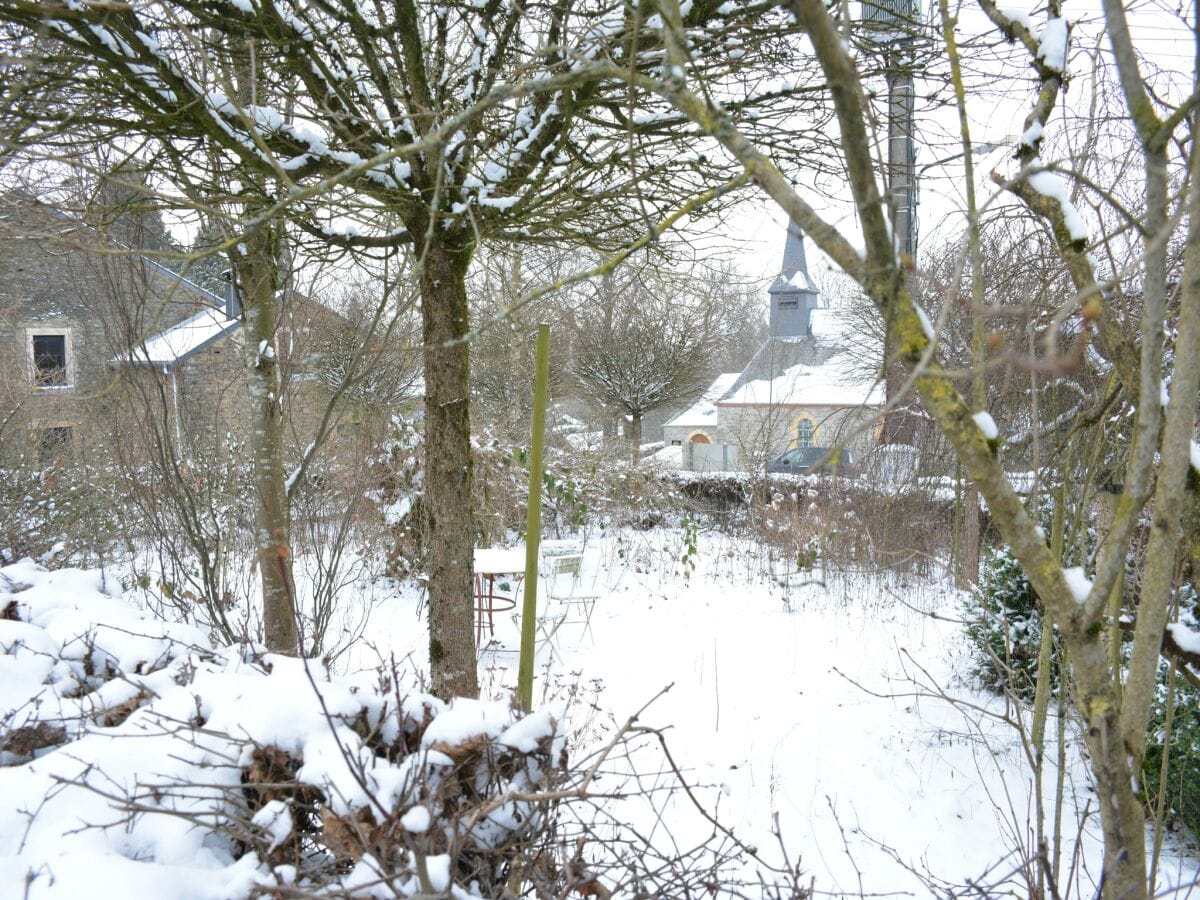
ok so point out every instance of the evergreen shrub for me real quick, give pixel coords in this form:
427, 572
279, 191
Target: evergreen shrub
1005, 634
1183, 772
1005, 628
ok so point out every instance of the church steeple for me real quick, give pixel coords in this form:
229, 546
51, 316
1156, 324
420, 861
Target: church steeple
793, 293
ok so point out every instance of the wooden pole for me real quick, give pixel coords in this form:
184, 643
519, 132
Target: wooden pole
533, 521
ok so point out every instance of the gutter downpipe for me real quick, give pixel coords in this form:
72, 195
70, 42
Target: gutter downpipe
175, 404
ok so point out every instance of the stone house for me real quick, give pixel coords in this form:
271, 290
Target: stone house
81, 323
809, 385
104, 351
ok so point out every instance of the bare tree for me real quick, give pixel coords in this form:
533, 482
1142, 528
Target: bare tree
502, 364
506, 124
647, 343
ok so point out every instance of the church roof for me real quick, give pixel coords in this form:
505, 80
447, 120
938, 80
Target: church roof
787, 284
703, 413
793, 274
818, 369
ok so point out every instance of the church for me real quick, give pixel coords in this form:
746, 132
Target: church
813, 383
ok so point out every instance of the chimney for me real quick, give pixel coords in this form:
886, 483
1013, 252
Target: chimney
233, 306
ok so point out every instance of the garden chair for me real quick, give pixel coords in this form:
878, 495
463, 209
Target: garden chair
565, 604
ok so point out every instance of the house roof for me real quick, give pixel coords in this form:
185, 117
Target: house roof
183, 340
186, 283
703, 412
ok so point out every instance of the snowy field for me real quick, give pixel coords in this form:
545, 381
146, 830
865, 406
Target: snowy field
834, 705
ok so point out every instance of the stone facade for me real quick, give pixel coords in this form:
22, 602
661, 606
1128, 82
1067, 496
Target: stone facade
71, 304
764, 431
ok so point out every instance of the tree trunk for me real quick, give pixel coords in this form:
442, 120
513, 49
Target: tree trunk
1121, 812
256, 266
610, 426
272, 541
968, 575
448, 471
635, 436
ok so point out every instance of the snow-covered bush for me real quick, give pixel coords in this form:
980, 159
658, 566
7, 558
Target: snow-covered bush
570, 483
1005, 617
264, 770
1005, 630
581, 490
1182, 798
64, 511
848, 523
190, 520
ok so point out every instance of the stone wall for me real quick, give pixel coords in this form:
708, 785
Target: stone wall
769, 430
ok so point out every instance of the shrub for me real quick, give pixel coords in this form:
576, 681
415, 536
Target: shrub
1005, 627
1005, 616
1182, 799
851, 523
65, 511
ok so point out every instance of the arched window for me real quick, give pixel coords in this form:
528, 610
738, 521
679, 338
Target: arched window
804, 433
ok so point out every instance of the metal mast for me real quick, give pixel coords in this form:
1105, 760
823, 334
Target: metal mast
895, 26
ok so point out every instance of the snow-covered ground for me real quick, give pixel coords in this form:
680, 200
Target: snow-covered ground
822, 702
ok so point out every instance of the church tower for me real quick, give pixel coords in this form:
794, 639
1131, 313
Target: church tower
793, 294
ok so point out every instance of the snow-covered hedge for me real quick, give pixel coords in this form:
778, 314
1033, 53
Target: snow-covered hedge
136, 753
1005, 630
63, 512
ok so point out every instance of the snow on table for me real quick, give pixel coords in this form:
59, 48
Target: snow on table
499, 561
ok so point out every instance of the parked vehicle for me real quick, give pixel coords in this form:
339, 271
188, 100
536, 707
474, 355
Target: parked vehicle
803, 460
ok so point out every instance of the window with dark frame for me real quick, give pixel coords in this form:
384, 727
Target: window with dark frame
50, 359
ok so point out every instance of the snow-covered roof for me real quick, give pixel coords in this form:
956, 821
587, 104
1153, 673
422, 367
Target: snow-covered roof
182, 340
830, 323
837, 381
797, 281
793, 274
834, 364
668, 457
703, 412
